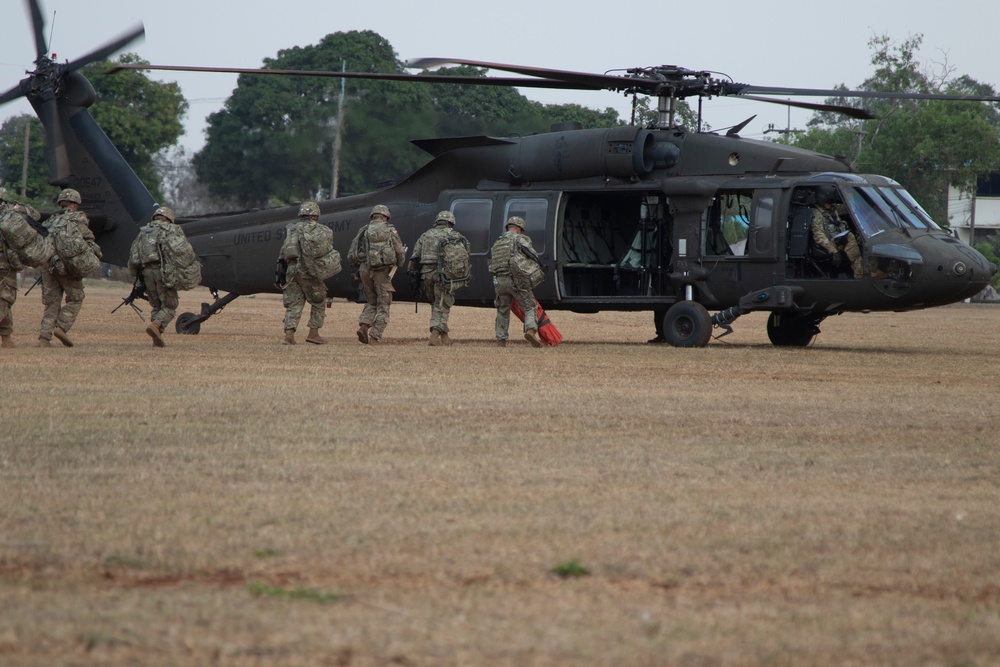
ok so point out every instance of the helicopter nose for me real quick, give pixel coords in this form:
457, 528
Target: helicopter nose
957, 267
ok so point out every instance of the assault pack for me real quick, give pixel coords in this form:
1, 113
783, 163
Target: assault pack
454, 266
525, 271
379, 253
178, 263
22, 245
77, 257
317, 256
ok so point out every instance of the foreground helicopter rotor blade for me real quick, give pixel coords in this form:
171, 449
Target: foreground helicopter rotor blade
112, 47
38, 24
747, 90
55, 146
17, 91
595, 81
850, 112
413, 78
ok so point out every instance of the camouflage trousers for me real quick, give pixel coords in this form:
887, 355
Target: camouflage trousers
163, 300
57, 314
8, 295
506, 294
378, 297
442, 298
302, 289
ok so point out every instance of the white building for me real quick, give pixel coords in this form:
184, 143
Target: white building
973, 218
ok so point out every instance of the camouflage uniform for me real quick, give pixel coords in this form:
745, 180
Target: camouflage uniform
301, 287
826, 224
58, 319
376, 282
147, 262
12, 259
506, 290
424, 261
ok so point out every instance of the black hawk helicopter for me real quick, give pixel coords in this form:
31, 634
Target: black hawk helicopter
657, 218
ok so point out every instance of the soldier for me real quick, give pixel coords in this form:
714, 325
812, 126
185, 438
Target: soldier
377, 251
60, 277
830, 232
440, 260
150, 258
301, 287
514, 240
20, 245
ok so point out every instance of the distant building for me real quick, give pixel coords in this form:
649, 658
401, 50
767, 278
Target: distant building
973, 218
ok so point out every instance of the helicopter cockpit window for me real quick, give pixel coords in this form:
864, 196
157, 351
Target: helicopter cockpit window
726, 224
472, 218
534, 212
878, 209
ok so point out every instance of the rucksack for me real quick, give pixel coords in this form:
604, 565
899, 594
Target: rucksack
525, 271
22, 244
78, 259
178, 264
379, 252
454, 264
317, 256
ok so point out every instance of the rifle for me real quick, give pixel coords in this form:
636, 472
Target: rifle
34, 285
138, 292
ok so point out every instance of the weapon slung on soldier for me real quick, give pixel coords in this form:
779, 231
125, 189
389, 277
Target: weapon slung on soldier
33, 285
138, 292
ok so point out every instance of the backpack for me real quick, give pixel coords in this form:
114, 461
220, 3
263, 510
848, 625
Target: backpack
525, 271
178, 263
454, 264
317, 256
78, 259
22, 244
379, 252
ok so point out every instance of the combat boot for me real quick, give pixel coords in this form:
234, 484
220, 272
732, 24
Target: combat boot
315, 338
532, 337
363, 333
435, 338
373, 340
44, 342
444, 338
8, 341
61, 335
154, 332
289, 337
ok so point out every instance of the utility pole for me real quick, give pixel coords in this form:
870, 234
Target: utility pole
338, 137
24, 169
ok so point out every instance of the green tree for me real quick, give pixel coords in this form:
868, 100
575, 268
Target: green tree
142, 117
923, 144
12, 134
990, 249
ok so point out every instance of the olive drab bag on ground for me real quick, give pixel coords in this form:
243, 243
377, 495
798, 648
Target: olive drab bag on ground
78, 258
378, 253
178, 263
525, 271
454, 264
317, 256
22, 244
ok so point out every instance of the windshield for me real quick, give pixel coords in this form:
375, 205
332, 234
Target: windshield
880, 208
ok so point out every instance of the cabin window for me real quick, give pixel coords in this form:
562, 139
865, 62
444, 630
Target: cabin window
726, 222
534, 212
472, 217
763, 220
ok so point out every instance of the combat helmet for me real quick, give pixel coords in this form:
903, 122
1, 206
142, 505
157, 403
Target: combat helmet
517, 221
309, 209
445, 216
825, 193
69, 194
380, 209
164, 212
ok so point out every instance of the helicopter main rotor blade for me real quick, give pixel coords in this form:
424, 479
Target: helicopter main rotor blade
17, 91
851, 112
591, 81
109, 49
869, 94
413, 78
38, 24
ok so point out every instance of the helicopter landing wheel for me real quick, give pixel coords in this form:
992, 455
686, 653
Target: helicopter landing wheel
187, 323
687, 324
791, 331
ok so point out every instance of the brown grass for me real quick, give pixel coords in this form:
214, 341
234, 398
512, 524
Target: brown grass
232, 501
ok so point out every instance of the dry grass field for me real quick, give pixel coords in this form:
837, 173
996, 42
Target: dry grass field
231, 501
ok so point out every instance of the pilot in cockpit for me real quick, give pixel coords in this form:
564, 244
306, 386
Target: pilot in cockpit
831, 233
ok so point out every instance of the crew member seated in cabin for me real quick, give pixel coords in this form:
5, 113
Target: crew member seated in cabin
831, 234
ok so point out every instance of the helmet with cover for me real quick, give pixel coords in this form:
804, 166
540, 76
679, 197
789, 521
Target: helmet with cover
309, 209
446, 217
69, 194
380, 209
517, 221
165, 213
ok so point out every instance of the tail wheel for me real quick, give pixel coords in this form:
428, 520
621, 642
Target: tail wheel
687, 324
187, 323
785, 330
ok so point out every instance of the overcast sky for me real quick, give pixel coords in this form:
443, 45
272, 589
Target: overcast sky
796, 43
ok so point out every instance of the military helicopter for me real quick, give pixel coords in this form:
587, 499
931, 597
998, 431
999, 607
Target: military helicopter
660, 218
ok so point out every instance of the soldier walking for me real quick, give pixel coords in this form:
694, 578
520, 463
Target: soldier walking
514, 245
377, 252
20, 246
300, 286
440, 261
62, 275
